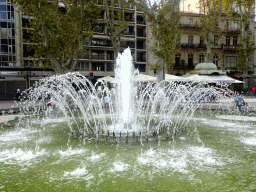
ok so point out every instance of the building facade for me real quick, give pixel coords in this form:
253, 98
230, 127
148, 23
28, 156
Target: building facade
192, 47
7, 34
99, 57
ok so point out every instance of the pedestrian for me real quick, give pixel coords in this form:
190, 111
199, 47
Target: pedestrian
239, 101
17, 93
253, 90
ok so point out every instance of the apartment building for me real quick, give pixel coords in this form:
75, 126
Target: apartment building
7, 34
192, 47
99, 58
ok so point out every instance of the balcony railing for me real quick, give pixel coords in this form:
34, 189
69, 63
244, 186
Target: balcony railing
141, 59
127, 44
234, 29
233, 47
216, 46
130, 20
141, 34
141, 46
190, 26
99, 56
192, 45
100, 42
128, 32
143, 22
184, 65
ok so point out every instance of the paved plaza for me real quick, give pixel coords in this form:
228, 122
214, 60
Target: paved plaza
9, 108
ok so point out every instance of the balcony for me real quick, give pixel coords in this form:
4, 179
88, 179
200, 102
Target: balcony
184, 66
230, 47
190, 26
101, 56
130, 33
142, 22
141, 59
139, 46
100, 42
233, 30
131, 20
192, 45
129, 44
141, 35
216, 46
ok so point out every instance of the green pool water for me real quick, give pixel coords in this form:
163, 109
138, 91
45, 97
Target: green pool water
216, 154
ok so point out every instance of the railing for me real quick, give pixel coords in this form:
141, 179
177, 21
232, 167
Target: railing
141, 59
141, 22
191, 26
234, 29
99, 56
101, 42
230, 47
216, 46
192, 45
141, 34
141, 46
184, 66
128, 32
131, 45
130, 20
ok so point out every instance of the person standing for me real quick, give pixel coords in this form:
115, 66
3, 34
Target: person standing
18, 93
239, 101
253, 90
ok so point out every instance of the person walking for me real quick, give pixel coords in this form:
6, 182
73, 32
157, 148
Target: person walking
253, 90
239, 101
18, 93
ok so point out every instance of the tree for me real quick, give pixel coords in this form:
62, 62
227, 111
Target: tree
245, 12
211, 18
115, 22
59, 29
164, 18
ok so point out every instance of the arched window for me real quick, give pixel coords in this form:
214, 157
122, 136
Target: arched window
216, 60
189, 8
181, 6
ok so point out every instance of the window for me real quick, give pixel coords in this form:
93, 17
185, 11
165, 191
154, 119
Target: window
177, 60
201, 41
201, 58
140, 67
181, 6
230, 61
235, 40
235, 24
216, 60
236, 8
189, 8
228, 24
83, 66
216, 38
190, 22
98, 67
190, 40
110, 67
227, 40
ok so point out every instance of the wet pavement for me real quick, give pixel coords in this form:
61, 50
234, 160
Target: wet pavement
9, 109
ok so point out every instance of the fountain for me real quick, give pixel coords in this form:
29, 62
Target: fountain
178, 138
142, 110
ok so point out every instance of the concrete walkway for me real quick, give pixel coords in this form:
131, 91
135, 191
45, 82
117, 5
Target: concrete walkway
9, 109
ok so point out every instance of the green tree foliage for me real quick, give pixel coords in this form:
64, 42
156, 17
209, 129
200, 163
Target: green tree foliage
164, 18
115, 22
59, 28
211, 10
245, 13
